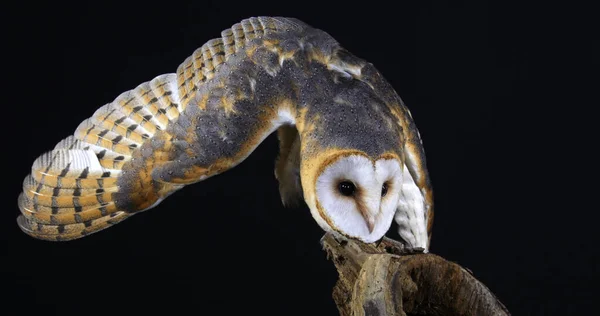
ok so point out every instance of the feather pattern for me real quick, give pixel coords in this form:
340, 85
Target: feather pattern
262, 75
77, 188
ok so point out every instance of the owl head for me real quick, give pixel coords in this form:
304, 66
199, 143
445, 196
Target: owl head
353, 194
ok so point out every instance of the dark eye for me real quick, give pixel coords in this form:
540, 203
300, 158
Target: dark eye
346, 188
384, 189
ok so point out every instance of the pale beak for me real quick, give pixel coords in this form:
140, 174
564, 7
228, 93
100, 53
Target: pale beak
368, 210
369, 219
370, 224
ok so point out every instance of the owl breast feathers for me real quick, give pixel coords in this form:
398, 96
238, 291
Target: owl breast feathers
348, 145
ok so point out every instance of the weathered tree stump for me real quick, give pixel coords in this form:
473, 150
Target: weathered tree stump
385, 279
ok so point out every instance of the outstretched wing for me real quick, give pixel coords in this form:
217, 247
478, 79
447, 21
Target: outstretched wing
151, 141
71, 189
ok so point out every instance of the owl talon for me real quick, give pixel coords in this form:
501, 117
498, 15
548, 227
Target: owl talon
415, 250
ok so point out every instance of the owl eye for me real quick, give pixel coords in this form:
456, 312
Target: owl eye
384, 189
346, 188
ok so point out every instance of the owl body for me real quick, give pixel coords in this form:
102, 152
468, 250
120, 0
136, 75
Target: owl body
338, 122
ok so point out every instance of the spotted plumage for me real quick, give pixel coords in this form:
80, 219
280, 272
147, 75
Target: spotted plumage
336, 117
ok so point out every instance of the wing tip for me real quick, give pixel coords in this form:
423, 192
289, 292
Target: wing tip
24, 224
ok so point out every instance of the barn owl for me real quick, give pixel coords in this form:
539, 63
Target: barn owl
348, 146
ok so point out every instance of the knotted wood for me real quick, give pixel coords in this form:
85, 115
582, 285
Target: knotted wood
386, 279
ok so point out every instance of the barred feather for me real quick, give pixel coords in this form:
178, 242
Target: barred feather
73, 190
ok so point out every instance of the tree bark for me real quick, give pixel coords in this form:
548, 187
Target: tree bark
386, 279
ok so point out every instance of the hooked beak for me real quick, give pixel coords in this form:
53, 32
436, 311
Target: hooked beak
369, 218
370, 223
368, 205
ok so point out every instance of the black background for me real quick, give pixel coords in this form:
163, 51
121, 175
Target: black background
469, 73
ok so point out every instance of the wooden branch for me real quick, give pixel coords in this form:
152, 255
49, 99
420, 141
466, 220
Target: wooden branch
385, 280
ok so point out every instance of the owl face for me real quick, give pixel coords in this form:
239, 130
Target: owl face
357, 196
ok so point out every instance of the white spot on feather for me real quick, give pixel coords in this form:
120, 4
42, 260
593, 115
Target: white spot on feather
284, 116
346, 70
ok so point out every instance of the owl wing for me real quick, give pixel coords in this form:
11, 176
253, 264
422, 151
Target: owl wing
287, 166
70, 191
414, 214
151, 141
